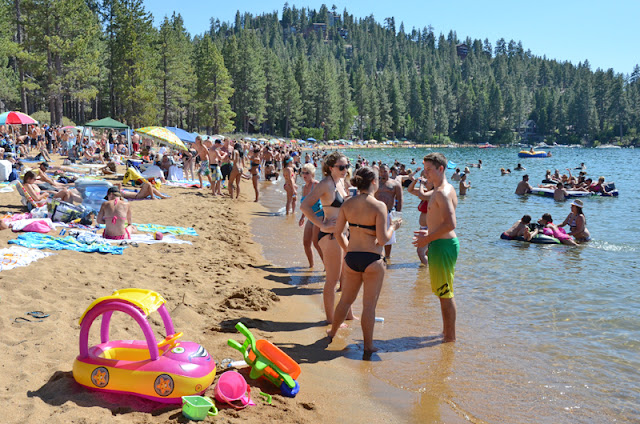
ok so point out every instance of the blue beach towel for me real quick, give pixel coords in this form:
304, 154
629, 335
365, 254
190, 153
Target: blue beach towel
45, 241
166, 229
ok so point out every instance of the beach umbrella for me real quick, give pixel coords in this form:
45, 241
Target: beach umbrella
163, 136
311, 139
183, 135
16, 118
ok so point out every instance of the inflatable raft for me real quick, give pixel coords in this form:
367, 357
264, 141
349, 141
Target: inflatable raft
537, 239
536, 154
548, 192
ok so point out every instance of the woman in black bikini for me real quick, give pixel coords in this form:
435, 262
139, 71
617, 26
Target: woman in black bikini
368, 233
331, 193
255, 157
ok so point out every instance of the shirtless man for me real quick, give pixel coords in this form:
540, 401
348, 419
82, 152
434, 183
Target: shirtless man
215, 161
560, 194
464, 185
523, 186
456, 175
519, 229
390, 193
225, 161
442, 240
269, 167
204, 161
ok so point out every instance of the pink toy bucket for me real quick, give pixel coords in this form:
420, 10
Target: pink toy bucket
232, 387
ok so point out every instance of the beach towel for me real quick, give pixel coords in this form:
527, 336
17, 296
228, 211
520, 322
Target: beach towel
16, 217
35, 225
16, 256
166, 229
187, 183
44, 241
150, 239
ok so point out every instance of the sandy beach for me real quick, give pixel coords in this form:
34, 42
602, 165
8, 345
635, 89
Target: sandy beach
209, 286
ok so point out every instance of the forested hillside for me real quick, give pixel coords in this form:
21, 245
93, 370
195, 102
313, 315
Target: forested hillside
300, 72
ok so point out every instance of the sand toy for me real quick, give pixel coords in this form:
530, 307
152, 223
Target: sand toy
268, 361
163, 371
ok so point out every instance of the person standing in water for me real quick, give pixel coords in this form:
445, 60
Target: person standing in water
422, 191
290, 186
390, 193
364, 263
331, 193
442, 240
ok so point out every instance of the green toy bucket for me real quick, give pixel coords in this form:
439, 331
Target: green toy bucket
197, 408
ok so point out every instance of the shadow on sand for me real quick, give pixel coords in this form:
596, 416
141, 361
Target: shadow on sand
62, 388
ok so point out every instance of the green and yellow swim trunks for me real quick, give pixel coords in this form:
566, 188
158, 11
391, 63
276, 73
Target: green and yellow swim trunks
442, 255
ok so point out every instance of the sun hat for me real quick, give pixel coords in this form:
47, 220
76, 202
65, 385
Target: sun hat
578, 204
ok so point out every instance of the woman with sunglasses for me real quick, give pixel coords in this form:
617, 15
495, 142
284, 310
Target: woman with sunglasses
310, 230
365, 267
331, 193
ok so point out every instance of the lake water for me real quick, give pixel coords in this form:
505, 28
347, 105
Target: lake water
546, 333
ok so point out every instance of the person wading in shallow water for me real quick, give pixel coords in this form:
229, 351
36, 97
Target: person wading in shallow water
442, 240
390, 193
331, 193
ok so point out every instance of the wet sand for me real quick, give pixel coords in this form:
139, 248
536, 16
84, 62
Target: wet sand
209, 286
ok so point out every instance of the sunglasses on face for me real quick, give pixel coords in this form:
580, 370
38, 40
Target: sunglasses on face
306, 173
343, 167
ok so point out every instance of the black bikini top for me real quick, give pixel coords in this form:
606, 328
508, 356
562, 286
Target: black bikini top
338, 201
366, 227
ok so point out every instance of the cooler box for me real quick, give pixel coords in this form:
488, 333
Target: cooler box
5, 170
92, 192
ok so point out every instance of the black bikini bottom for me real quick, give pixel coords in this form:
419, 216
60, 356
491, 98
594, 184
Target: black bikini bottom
359, 261
322, 234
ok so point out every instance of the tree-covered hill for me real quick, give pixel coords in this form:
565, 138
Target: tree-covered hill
300, 72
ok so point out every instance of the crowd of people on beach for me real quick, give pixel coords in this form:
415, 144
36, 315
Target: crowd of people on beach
350, 215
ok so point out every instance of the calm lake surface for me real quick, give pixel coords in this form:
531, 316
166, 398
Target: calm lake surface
546, 334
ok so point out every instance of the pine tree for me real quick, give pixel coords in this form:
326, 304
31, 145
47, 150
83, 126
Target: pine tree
249, 83
62, 68
291, 102
346, 108
175, 49
214, 88
273, 91
135, 64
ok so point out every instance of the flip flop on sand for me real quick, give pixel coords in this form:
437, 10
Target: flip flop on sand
38, 315
130, 243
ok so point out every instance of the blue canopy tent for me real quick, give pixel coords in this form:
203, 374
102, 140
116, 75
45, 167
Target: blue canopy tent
182, 134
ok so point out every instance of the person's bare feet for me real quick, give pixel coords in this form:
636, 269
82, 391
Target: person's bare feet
370, 349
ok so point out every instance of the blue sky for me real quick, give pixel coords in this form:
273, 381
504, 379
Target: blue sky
605, 32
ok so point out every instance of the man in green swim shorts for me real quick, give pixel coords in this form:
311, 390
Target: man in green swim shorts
442, 240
